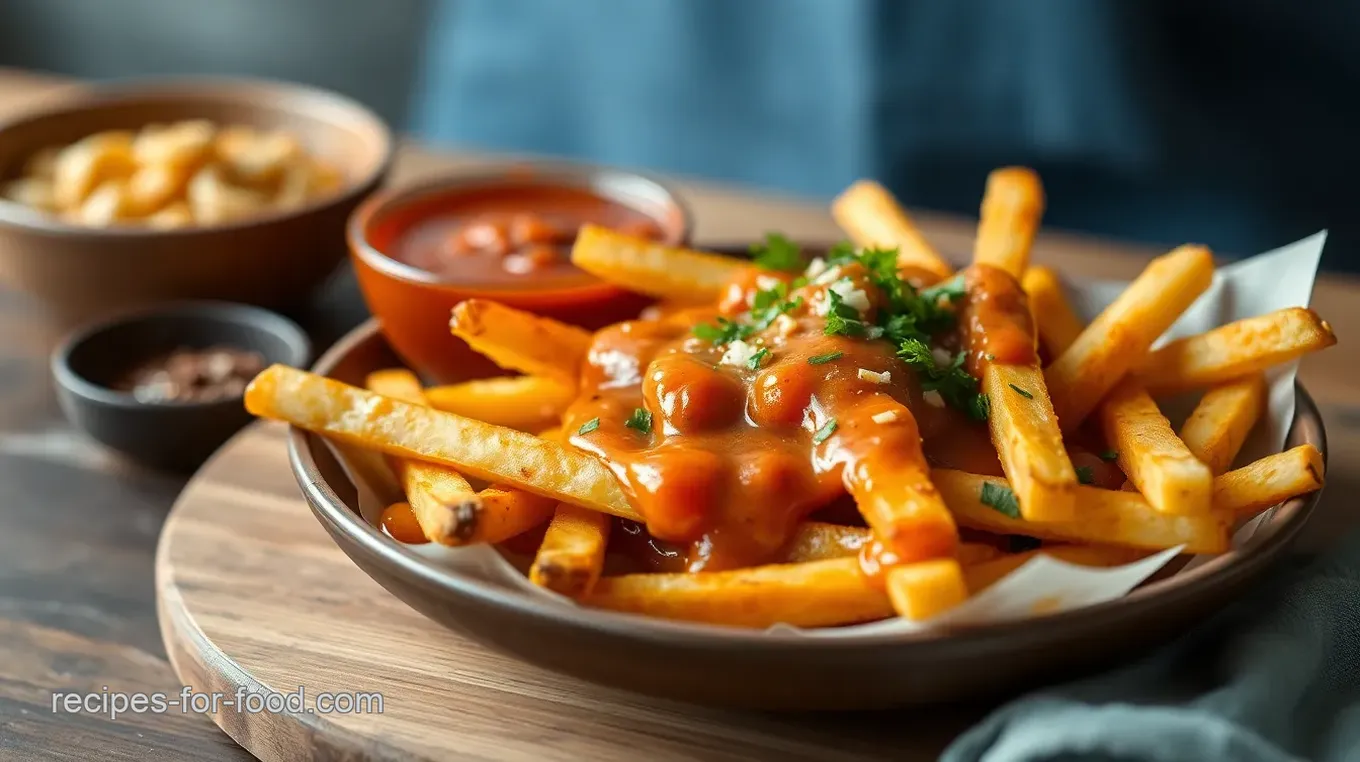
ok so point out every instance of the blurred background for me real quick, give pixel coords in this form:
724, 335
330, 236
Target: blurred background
1160, 121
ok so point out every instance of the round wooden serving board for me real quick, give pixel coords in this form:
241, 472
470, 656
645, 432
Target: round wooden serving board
253, 594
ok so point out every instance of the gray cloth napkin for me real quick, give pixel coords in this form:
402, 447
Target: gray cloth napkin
1274, 677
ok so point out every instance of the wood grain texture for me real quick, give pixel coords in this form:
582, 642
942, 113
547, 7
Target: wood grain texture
252, 592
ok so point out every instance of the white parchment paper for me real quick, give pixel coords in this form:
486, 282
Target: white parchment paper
1267, 282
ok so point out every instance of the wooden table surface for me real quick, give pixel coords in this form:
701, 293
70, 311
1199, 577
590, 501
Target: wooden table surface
78, 527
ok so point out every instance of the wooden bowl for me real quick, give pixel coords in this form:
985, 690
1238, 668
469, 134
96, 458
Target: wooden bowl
273, 260
735, 667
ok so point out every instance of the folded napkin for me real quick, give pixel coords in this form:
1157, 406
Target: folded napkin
1274, 677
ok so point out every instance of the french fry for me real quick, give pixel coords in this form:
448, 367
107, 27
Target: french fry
869, 214
1235, 350
1220, 423
526, 403
88, 163
493, 453
1155, 460
921, 590
448, 510
572, 554
1269, 481
1058, 325
1011, 207
1106, 517
818, 541
648, 267
520, 341
982, 575
1023, 426
813, 594
1027, 438
1116, 340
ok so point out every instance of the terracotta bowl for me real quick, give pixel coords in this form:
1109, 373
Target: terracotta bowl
734, 667
273, 260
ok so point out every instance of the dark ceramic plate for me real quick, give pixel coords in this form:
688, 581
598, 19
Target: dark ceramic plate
727, 666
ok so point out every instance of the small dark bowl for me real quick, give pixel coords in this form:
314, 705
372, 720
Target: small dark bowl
176, 436
736, 667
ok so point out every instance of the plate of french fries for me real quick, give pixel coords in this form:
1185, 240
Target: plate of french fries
168, 176
857, 447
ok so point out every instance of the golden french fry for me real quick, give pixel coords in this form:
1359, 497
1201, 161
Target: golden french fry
648, 267
869, 214
1269, 481
88, 163
183, 146
526, 403
1058, 325
982, 575
258, 158
493, 453
1011, 208
1105, 517
1234, 350
520, 341
1158, 463
572, 554
924, 589
105, 206
1220, 423
1027, 438
35, 192
813, 594
1116, 340
153, 186
447, 508
214, 201
817, 541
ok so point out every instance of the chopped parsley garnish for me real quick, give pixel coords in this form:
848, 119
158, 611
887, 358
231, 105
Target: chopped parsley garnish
1109, 455
1086, 474
1001, 499
843, 320
589, 426
758, 358
826, 358
762, 318
1021, 392
726, 331
824, 432
777, 253
951, 290
954, 384
641, 420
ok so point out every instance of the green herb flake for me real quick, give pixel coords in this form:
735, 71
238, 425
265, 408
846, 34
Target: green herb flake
956, 386
758, 358
1109, 456
1001, 499
588, 426
725, 332
640, 420
777, 253
1086, 474
824, 432
826, 358
1021, 392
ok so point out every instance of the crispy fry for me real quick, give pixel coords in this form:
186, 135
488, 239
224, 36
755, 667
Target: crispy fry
1269, 481
1011, 208
813, 594
869, 214
521, 341
817, 541
1025, 432
1235, 350
921, 590
527, 403
494, 453
448, 510
1121, 335
983, 575
572, 554
648, 267
1220, 423
894, 494
1106, 517
1156, 461
1058, 325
